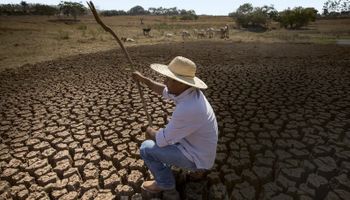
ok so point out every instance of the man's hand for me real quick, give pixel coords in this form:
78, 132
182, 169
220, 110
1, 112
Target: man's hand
151, 84
137, 76
151, 133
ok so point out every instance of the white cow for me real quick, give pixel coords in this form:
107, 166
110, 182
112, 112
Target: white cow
185, 34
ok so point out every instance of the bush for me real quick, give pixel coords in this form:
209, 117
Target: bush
72, 8
297, 18
40, 9
63, 35
27, 9
82, 27
113, 12
336, 8
248, 16
189, 17
137, 10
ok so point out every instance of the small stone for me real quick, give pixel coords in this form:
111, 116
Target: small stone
135, 179
112, 182
61, 167
56, 194
73, 195
320, 184
105, 196
42, 171
231, 179
89, 184
282, 181
218, 191
90, 194
71, 171
74, 182
50, 177
294, 174
124, 190
282, 197
62, 155
264, 174
4, 186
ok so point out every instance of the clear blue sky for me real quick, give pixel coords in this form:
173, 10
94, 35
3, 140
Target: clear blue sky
210, 7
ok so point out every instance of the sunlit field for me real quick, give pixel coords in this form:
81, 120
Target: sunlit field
29, 39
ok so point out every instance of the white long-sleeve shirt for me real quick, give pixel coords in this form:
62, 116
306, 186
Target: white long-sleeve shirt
193, 128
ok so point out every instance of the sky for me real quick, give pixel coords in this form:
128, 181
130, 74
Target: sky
208, 7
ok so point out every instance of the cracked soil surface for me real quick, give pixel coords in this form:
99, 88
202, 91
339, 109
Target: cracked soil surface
70, 128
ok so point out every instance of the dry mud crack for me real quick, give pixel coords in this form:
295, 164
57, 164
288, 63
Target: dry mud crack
70, 128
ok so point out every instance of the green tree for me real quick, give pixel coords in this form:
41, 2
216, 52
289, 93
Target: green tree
345, 6
173, 11
336, 7
113, 12
71, 8
137, 10
40, 9
11, 9
297, 17
247, 15
270, 11
188, 15
24, 6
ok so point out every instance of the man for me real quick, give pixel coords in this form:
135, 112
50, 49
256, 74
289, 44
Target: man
190, 138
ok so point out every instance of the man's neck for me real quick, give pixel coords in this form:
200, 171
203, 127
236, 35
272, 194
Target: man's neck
181, 91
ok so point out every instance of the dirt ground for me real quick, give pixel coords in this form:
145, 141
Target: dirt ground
70, 128
32, 39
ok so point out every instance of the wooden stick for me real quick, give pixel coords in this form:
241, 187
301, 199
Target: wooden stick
108, 29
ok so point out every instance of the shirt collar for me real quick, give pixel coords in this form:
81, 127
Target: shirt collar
185, 93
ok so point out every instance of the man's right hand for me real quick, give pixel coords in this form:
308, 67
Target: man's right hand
153, 85
137, 76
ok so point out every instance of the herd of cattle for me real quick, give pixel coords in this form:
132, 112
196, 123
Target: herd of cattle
222, 33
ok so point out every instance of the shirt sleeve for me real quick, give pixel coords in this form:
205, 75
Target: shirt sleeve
177, 129
160, 139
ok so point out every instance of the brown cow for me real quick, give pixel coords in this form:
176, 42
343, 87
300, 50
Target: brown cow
146, 31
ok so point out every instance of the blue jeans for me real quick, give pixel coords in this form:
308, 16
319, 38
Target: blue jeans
159, 159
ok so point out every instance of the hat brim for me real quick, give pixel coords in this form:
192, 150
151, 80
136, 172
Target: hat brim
191, 81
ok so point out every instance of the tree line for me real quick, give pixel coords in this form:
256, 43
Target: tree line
64, 7
28, 9
247, 16
75, 9
139, 10
336, 8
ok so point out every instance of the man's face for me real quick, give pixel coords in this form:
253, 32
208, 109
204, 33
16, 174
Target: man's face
171, 85
175, 87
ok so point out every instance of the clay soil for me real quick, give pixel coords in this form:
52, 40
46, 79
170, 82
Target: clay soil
70, 128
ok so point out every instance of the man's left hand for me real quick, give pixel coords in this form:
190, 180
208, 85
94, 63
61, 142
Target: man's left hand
151, 133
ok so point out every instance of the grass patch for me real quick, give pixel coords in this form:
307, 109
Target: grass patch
94, 34
82, 27
323, 40
63, 35
163, 26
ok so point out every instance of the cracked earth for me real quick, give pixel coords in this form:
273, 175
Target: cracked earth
71, 128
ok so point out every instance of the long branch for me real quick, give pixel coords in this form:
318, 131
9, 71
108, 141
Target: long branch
108, 29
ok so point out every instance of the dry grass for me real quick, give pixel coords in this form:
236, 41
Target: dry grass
30, 39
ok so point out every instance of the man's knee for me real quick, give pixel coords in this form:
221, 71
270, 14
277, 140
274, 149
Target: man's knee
146, 147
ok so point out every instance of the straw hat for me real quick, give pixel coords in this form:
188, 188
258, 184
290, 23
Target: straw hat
181, 69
